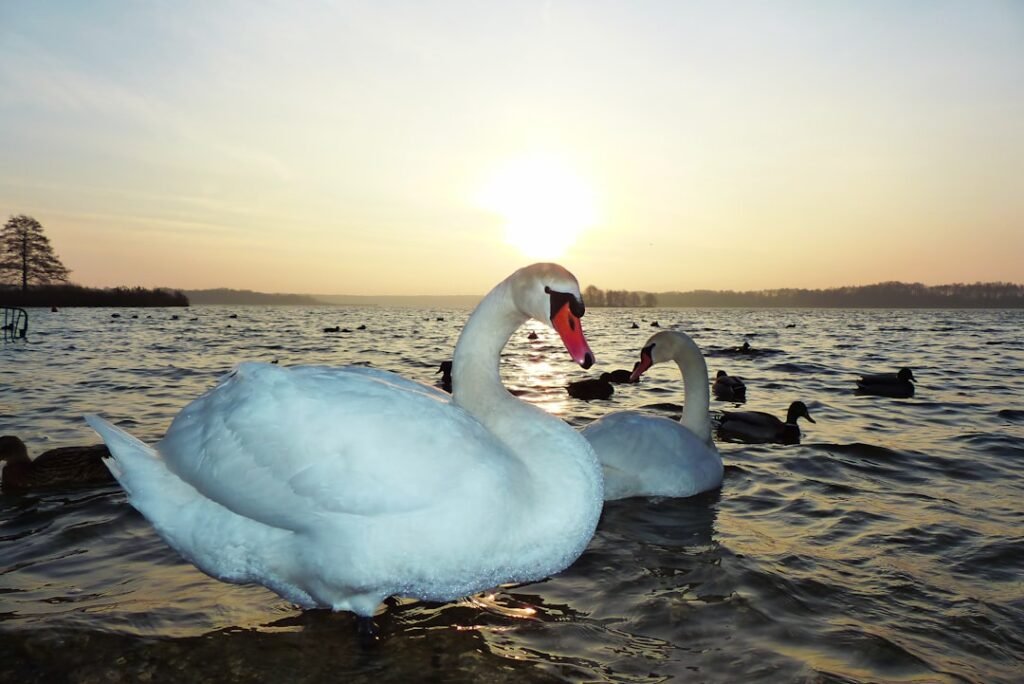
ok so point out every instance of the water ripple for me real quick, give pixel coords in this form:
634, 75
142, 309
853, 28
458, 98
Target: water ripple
885, 547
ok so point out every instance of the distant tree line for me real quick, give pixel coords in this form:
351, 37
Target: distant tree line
595, 296
223, 295
76, 295
881, 295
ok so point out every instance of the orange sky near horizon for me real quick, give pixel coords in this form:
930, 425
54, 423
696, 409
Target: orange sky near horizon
353, 148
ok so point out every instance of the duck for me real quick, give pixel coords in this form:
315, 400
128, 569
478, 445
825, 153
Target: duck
66, 466
899, 385
728, 387
338, 487
647, 455
620, 376
760, 427
592, 388
445, 369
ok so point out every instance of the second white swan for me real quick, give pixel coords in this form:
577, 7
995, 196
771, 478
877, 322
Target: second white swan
645, 455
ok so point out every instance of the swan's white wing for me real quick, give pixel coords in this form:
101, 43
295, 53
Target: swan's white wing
287, 446
396, 380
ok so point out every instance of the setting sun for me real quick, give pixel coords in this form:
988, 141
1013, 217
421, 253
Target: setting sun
544, 203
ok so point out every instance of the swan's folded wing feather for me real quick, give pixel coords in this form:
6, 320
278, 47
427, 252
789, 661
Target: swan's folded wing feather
287, 446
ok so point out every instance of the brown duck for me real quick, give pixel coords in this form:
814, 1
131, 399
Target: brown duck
55, 468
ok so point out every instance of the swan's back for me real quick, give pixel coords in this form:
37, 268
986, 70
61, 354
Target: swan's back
645, 455
286, 446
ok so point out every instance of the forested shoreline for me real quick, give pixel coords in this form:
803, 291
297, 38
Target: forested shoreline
890, 295
63, 296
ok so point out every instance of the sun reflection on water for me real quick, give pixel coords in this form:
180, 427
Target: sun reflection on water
534, 371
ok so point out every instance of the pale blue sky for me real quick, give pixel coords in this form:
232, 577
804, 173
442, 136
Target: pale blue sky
341, 147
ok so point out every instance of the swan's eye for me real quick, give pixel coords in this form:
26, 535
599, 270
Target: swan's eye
560, 299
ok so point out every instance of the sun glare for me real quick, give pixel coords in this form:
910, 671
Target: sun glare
544, 203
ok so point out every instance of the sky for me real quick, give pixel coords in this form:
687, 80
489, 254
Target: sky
397, 147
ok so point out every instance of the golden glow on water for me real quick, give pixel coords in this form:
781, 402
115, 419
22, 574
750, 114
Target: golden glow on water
544, 202
537, 371
499, 603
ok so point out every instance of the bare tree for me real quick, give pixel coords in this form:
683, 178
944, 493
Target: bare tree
26, 250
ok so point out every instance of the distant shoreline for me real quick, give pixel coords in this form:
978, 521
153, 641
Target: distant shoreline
881, 296
892, 295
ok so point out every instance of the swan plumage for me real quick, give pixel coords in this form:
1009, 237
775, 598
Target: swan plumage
646, 455
339, 487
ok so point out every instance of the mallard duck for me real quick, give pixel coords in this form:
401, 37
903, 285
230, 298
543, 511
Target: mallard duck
55, 468
620, 376
899, 385
759, 427
594, 388
728, 387
445, 369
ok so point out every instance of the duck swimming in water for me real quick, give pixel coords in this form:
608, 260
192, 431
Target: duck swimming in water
899, 385
67, 466
760, 427
445, 369
729, 387
620, 376
338, 487
594, 388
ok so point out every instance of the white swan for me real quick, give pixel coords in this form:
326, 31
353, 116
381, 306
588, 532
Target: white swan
339, 487
645, 455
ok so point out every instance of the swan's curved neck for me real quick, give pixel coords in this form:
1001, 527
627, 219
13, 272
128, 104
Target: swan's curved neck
476, 379
560, 488
696, 392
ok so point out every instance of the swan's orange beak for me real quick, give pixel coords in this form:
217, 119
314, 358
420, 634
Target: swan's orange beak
646, 361
568, 326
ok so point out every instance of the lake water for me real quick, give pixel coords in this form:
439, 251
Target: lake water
887, 546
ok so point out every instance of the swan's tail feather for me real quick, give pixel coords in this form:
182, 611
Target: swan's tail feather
125, 450
219, 542
154, 490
